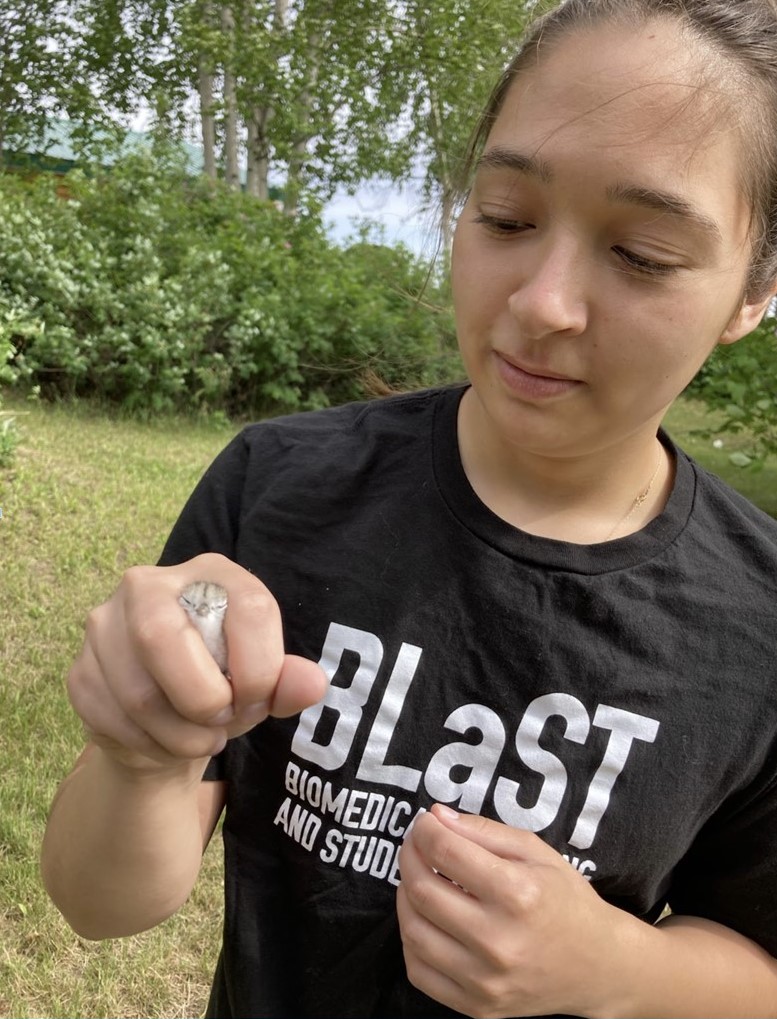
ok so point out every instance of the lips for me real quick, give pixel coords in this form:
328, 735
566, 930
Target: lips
538, 372
533, 382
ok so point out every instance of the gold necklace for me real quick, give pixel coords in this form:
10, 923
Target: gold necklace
641, 497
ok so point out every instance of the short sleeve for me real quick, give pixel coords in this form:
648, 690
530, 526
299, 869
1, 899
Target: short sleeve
730, 872
210, 520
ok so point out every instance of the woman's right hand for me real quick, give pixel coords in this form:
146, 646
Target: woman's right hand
146, 687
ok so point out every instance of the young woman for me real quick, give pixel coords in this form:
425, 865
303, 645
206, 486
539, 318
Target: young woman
551, 706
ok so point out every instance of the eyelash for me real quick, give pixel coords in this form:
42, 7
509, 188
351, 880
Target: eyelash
645, 265
501, 226
634, 262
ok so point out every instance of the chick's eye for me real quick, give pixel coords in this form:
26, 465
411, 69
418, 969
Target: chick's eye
501, 224
645, 266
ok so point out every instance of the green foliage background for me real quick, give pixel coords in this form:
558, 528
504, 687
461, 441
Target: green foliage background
158, 293
740, 381
8, 432
155, 292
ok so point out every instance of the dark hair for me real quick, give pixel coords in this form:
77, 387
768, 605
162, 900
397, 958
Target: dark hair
744, 32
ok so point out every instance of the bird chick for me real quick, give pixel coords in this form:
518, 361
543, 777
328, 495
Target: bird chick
206, 605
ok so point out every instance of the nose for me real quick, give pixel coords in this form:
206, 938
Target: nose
548, 297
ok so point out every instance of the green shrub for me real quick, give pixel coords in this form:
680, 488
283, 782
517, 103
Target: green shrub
11, 322
158, 292
741, 381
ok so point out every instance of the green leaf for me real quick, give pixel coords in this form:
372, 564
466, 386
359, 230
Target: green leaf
737, 391
735, 411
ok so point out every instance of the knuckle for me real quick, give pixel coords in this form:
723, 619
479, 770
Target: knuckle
136, 578
214, 560
414, 963
526, 894
412, 968
142, 700
489, 999
94, 623
150, 631
411, 933
415, 973
84, 682
258, 601
499, 960
75, 685
75, 677
442, 854
192, 744
123, 741
418, 891
203, 706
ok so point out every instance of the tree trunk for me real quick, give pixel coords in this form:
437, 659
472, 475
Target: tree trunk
258, 154
253, 171
257, 127
205, 84
300, 147
208, 123
231, 169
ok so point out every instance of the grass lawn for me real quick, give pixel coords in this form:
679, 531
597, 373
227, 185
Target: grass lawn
759, 485
89, 495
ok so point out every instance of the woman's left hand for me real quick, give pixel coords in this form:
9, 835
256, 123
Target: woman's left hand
496, 923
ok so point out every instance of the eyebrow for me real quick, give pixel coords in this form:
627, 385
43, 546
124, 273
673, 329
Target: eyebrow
666, 202
499, 158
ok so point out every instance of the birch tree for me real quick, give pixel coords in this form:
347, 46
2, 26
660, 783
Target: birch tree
320, 94
449, 55
310, 95
42, 70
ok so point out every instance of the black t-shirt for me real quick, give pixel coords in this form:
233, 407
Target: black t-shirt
618, 699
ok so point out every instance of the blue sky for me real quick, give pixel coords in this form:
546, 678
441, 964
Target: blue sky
398, 210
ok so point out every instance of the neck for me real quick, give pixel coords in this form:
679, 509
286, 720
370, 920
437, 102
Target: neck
584, 498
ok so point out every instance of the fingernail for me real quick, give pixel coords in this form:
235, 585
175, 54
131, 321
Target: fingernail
448, 812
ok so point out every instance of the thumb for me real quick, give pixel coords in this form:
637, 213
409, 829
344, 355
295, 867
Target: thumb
301, 683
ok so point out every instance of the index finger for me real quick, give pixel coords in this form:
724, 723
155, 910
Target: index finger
475, 868
498, 838
254, 632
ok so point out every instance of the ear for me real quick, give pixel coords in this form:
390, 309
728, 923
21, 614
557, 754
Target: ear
746, 319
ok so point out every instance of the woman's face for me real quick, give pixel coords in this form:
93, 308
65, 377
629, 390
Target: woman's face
603, 250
